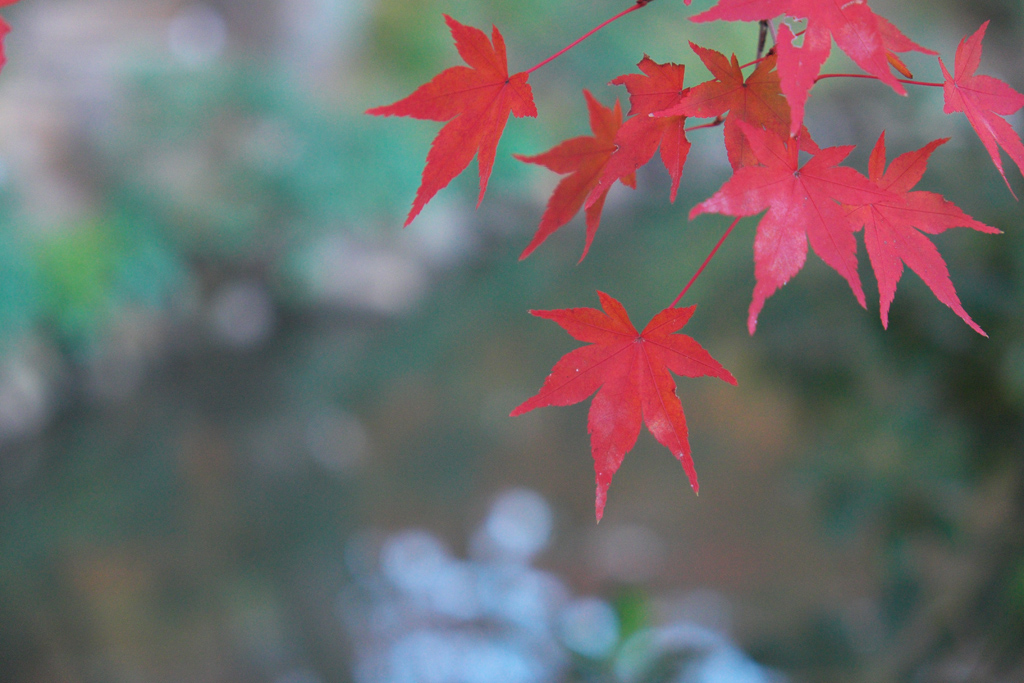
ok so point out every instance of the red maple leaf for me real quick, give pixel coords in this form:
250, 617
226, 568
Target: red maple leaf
893, 228
865, 37
630, 372
757, 100
802, 205
583, 158
476, 100
659, 87
985, 100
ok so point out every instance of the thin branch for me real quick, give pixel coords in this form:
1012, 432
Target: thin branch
639, 4
719, 120
759, 59
876, 78
706, 261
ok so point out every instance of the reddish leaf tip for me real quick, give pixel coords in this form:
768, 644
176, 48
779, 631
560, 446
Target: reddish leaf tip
518, 410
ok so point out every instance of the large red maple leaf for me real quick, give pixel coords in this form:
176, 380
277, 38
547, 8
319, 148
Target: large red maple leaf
659, 87
583, 158
476, 100
985, 100
802, 203
893, 228
865, 37
629, 370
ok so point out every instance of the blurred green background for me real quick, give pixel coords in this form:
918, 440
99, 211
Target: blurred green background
229, 381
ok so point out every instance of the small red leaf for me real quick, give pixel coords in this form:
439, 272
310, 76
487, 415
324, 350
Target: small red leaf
583, 158
757, 100
659, 87
475, 100
893, 228
629, 370
984, 100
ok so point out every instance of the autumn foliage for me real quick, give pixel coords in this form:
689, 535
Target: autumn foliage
584, 159
476, 100
807, 194
629, 370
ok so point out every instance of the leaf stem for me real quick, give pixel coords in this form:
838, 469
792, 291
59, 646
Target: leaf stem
876, 78
758, 60
636, 6
719, 120
706, 261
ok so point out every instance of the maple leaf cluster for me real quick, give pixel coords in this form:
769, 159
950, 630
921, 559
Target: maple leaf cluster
817, 202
